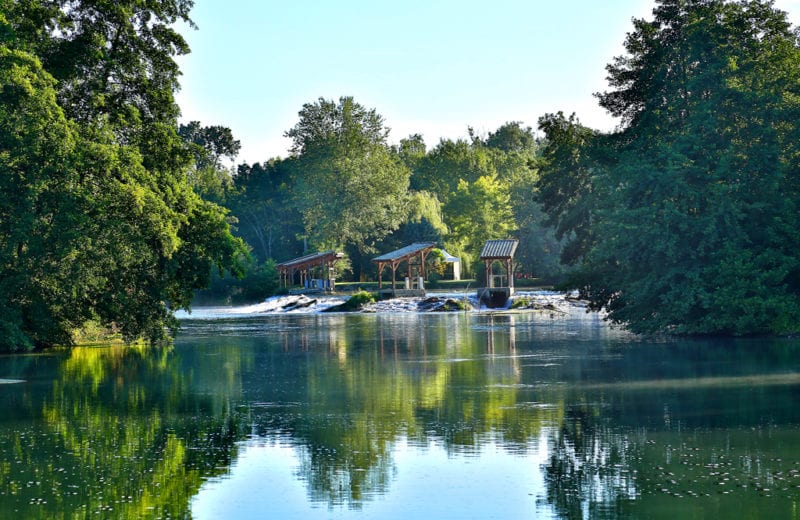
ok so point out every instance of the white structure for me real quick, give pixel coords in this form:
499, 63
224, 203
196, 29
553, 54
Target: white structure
456, 264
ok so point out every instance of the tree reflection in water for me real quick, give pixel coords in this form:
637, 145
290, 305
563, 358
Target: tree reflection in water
116, 434
589, 471
629, 429
379, 380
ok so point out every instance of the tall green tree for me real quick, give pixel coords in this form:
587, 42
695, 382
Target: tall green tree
345, 126
101, 223
411, 150
699, 232
349, 186
449, 162
566, 187
478, 211
517, 155
485, 188
513, 137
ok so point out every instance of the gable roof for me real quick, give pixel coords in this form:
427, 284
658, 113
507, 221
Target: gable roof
405, 252
494, 249
307, 260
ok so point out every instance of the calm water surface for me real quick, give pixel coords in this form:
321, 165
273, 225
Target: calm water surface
404, 416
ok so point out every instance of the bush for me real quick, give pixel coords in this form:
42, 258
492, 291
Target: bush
520, 303
355, 303
358, 300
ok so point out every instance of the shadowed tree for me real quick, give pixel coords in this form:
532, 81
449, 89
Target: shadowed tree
102, 224
693, 216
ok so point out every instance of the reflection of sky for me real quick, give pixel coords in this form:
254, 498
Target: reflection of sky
260, 485
427, 482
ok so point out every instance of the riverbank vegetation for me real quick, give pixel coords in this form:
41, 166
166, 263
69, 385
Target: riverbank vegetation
98, 219
684, 219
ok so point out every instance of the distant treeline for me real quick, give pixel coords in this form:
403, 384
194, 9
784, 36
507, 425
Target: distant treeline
345, 187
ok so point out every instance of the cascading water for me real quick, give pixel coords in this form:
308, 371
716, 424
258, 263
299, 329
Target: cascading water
432, 302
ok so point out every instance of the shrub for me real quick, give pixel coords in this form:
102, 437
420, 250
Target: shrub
357, 301
520, 303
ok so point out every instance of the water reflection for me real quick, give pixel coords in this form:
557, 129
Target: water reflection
112, 432
478, 415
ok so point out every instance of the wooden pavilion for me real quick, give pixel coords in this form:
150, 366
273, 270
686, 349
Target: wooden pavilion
499, 287
414, 286
305, 265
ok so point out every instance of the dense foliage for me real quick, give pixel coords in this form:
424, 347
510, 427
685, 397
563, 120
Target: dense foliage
343, 187
686, 219
98, 221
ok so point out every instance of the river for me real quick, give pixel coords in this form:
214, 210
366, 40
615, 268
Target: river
545, 414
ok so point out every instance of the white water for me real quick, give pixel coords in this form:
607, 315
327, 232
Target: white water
302, 304
295, 304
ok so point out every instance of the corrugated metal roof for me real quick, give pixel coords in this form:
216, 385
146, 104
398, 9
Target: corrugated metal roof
405, 252
499, 248
309, 259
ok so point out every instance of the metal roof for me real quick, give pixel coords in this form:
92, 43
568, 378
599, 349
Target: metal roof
405, 252
314, 258
499, 249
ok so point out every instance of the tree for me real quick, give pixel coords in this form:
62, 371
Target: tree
699, 229
478, 211
566, 187
485, 190
111, 59
424, 223
346, 199
213, 143
36, 145
450, 161
264, 208
101, 223
349, 187
512, 137
346, 126
411, 150
209, 177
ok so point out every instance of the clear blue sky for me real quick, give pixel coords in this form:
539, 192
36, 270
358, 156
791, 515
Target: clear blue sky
433, 67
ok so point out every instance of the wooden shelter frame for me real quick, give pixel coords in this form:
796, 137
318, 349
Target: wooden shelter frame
404, 254
304, 264
499, 251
